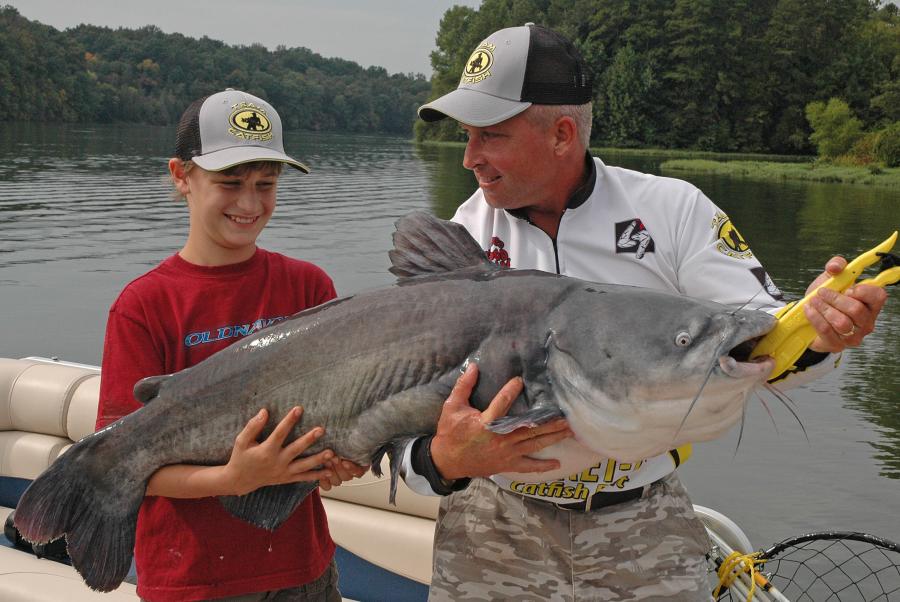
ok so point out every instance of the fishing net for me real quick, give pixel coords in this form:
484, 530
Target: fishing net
818, 567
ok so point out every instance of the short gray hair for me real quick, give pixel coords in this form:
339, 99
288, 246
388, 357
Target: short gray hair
545, 115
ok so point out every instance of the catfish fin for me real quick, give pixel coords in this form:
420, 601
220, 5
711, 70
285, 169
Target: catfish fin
268, 507
394, 450
424, 244
76, 496
147, 389
531, 418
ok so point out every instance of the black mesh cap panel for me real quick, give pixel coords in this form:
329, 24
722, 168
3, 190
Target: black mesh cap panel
555, 73
187, 138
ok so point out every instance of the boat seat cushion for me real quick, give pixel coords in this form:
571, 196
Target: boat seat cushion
44, 408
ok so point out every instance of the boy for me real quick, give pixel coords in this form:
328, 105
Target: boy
220, 285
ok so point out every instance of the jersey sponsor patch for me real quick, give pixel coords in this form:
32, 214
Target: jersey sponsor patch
497, 254
768, 283
730, 242
632, 237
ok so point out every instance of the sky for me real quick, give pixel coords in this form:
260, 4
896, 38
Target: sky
395, 34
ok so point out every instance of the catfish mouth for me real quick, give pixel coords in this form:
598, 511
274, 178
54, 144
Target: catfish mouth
737, 363
741, 353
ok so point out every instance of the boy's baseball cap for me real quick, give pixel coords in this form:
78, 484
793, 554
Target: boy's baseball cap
508, 72
229, 128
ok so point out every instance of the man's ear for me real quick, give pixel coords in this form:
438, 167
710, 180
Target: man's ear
179, 176
565, 135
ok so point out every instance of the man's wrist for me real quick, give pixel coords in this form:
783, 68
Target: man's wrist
423, 464
427, 445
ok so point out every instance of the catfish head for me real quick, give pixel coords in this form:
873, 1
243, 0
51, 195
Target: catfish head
639, 372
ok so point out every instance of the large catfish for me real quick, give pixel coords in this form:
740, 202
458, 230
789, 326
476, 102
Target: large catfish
635, 371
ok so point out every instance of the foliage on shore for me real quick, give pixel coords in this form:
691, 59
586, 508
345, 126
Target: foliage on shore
703, 74
839, 136
810, 171
98, 74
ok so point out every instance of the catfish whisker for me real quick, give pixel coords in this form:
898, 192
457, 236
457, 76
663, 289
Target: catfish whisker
741, 431
768, 410
709, 372
737, 309
697, 396
780, 395
788, 402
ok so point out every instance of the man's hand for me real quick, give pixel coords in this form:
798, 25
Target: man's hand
842, 320
464, 447
341, 471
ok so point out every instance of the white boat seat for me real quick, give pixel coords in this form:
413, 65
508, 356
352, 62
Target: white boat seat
44, 408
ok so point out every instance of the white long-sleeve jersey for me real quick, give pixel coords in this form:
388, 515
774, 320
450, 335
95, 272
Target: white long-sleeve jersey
635, 229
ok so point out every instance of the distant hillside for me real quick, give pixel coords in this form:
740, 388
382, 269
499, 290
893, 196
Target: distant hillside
711, 75
98, 74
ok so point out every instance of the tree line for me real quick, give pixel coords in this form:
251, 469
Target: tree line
98, 74
703, 74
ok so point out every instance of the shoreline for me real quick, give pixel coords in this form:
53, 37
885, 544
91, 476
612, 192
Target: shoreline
888, 177
750, 166
600, 151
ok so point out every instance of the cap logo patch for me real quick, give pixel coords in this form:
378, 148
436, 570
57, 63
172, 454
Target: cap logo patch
478, 67
730, 242
249, 122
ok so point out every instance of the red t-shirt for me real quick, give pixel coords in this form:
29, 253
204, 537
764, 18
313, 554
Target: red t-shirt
171, 318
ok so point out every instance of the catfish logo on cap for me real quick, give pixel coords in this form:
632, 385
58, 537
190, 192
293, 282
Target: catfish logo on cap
509, 71
248, 121
478, 67
230, 128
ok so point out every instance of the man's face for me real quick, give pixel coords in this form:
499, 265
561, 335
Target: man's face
512, 162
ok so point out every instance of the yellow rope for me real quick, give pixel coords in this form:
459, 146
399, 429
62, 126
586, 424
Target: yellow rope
736, 564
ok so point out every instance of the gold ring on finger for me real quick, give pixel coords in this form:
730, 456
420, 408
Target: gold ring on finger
848, 334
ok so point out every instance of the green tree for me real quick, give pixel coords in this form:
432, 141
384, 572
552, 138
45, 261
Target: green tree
835, 129
145, 75
887, 145
627, 89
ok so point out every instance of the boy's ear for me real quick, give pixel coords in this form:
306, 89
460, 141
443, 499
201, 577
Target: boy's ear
179, 176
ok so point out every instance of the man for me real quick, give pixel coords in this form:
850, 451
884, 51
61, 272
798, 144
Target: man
544, 203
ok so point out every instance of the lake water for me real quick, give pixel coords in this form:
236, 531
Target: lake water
84, 209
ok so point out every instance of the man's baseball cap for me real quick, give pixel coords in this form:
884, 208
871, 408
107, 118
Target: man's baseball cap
508, 72
229, 128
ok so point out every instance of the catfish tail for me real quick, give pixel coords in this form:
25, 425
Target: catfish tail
78, 498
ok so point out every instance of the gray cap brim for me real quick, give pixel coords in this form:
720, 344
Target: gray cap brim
471, 107
236, 155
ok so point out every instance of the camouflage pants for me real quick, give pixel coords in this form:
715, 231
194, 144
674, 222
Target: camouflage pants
494, 545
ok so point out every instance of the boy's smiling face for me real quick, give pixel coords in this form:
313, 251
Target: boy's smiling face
228, 211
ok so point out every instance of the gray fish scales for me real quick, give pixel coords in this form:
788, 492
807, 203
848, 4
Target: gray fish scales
624, 365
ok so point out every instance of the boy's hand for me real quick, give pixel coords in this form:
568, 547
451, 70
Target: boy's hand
253, 465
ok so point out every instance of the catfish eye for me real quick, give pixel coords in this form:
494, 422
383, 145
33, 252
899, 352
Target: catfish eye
683, 339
